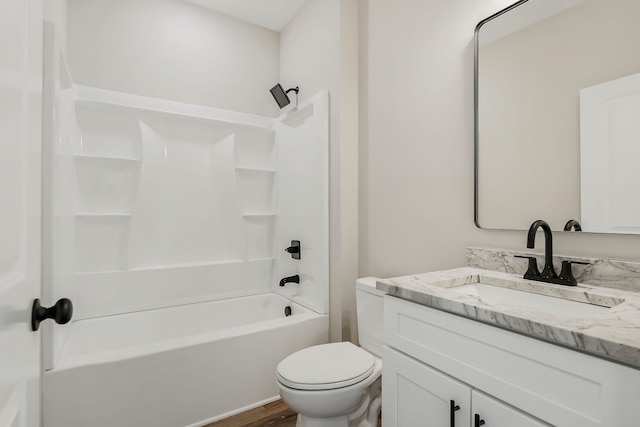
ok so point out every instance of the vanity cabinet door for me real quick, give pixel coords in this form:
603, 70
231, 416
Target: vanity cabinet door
415, 395
498, 414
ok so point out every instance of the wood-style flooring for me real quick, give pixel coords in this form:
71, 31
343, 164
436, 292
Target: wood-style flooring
274, 414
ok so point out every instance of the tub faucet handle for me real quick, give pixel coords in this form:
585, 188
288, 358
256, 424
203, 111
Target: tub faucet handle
294, 249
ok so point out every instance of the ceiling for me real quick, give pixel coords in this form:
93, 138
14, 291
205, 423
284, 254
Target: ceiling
271, 14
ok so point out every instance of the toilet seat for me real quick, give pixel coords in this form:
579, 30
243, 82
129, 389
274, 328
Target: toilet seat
326, 367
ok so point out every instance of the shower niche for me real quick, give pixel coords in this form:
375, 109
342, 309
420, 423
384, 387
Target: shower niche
158, 203
107, 161
254, 162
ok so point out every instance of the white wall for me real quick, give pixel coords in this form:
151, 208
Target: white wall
173, 50
318, 51
416, 158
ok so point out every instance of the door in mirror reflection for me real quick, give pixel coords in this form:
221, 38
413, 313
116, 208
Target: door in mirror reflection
609, 150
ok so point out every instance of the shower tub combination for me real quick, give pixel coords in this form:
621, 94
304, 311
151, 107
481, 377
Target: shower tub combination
178, 366
179, 319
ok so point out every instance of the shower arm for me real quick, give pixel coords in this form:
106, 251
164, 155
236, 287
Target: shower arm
296, 90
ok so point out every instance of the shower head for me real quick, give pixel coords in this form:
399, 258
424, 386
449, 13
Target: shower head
280, 95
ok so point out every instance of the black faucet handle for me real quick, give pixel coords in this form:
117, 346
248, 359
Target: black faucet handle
294, 249
577, 262
532, 269
566, 275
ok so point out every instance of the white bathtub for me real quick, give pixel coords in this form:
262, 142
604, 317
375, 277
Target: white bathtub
179, 366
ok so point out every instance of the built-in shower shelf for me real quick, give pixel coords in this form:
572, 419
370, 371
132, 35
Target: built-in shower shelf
256, 170
258, 215
90, 97
263, 259
106, 215
189, 265
89, 157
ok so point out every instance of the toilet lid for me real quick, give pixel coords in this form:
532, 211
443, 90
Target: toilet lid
326, 367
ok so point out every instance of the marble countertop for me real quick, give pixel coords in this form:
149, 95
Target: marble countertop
613, 333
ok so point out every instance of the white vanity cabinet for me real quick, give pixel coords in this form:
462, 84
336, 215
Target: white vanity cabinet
432, 358
418, 395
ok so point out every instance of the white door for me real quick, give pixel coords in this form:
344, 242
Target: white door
609, 156
414, 394
20, 218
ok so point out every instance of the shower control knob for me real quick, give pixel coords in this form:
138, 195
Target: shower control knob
61, 312
294, 249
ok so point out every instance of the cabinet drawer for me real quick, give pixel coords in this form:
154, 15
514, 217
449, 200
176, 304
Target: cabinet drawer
560, 386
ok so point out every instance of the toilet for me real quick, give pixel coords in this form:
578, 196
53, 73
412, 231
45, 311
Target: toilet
339, 384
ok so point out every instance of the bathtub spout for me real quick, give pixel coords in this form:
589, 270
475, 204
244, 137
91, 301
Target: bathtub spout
290, 279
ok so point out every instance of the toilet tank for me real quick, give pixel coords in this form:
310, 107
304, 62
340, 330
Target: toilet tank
369, 306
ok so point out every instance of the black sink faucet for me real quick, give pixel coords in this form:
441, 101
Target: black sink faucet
572, 224
548, 272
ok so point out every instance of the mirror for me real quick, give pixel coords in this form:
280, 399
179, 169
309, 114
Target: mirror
557, 104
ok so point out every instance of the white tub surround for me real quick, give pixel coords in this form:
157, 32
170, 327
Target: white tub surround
166, 224
154, 203
165, 220
613, 333
179, 366
148, 193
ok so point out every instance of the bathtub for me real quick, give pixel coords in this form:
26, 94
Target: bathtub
179, 366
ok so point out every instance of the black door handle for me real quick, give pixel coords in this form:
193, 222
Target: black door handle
61, 312
478, 421
452, 411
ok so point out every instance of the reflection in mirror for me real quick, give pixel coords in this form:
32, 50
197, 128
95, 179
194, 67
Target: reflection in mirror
557, 101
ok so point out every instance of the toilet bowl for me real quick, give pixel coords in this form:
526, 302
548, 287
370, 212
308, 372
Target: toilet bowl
339, 384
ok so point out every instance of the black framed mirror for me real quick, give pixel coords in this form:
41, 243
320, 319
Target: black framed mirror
556, 132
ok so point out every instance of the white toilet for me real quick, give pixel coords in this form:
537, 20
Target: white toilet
339, 384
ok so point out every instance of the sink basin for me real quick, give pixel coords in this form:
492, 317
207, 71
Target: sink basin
491, 294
